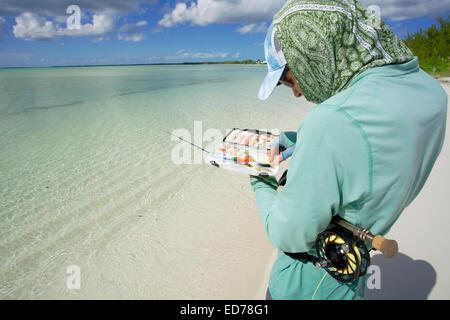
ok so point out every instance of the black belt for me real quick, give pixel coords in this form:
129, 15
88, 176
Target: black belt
302, 257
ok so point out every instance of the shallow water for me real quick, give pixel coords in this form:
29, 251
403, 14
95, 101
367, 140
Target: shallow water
85, 154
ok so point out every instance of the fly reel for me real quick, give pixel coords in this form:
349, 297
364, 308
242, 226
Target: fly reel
341, 249
341, 254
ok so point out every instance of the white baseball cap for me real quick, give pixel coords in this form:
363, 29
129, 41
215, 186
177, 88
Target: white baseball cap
276, 63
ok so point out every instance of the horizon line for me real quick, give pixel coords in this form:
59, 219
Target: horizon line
243, 62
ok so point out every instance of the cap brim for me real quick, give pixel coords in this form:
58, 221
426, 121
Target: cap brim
270, 82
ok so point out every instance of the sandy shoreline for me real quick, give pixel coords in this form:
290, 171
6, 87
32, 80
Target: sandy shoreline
420, 270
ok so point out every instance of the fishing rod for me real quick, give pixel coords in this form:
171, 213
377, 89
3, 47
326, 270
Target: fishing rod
188, 142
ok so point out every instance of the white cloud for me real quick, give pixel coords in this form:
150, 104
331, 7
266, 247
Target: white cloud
253, 28
398, 10
55, 8
129, 28
158, 29
132, 30
185, 55
99, 39
141, 23
132, 27
204, 55
137, 37
204, 12
237, 55
46, 19
30, 26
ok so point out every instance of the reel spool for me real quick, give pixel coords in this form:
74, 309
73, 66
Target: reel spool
343, 256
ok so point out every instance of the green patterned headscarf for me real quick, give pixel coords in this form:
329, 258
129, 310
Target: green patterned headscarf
327, 43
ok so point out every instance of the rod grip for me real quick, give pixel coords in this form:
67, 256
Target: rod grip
389, 248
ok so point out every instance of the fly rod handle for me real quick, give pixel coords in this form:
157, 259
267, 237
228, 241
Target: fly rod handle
389, 248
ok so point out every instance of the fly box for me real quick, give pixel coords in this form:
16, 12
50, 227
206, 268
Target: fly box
245, 151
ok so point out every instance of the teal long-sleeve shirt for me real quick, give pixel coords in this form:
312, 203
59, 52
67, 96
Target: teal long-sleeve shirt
364, 154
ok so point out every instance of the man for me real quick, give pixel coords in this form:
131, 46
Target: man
363, 153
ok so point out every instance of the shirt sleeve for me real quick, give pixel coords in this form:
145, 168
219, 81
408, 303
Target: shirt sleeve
294, 216
288, 152
288, 138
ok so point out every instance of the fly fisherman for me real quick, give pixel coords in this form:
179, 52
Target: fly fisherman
363, 153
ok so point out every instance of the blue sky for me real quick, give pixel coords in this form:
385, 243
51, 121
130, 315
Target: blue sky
34, 33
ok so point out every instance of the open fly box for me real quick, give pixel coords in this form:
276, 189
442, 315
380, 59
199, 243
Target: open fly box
245, 151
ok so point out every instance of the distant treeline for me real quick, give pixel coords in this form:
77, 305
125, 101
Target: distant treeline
432, 47
234, 62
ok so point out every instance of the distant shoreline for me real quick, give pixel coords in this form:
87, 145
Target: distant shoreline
442, 76
245, 62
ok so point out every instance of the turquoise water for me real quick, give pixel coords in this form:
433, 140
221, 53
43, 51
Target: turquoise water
84, 152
